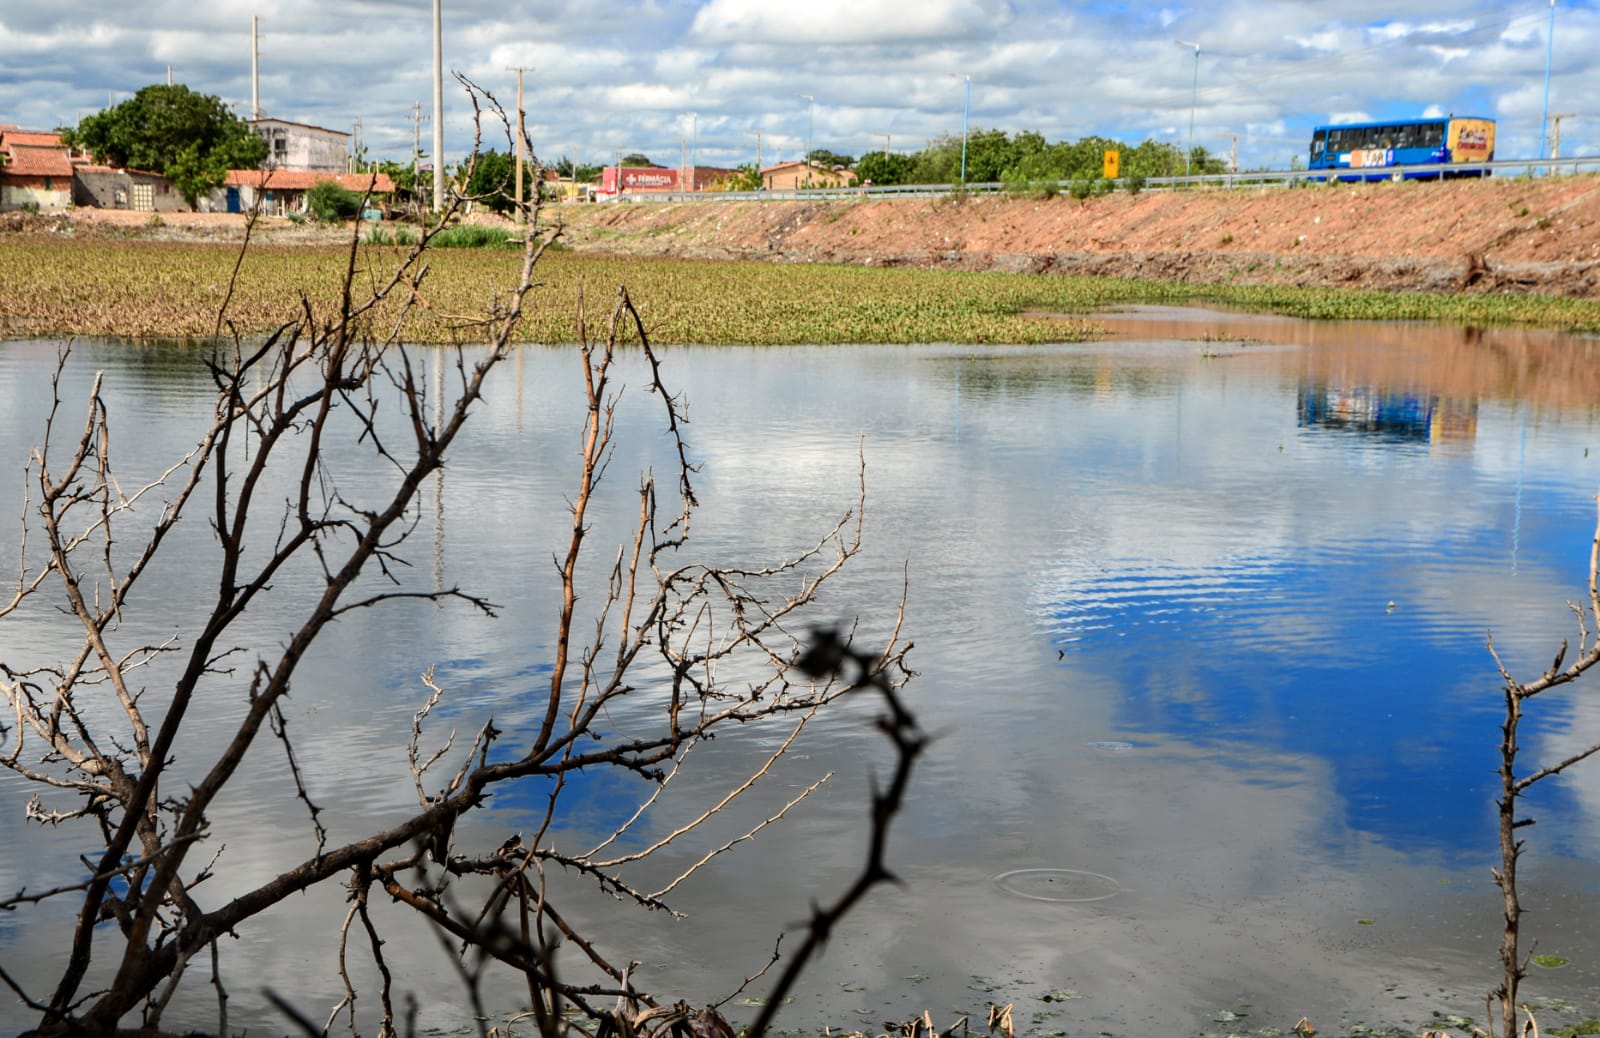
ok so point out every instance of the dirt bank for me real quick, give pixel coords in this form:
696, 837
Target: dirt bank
1492, 236
1504, 235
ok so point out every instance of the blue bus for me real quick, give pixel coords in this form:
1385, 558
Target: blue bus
1362, 151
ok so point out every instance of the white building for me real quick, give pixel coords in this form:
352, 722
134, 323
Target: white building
297, 146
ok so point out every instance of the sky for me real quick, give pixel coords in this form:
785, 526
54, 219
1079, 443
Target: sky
699, 80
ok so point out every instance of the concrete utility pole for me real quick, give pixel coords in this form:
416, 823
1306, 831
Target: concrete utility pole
757, 135
886, 149
255, 70
521, 133
416, 143
438, 108
966, 110
354, 163
694, 149
1555, 132
811, 125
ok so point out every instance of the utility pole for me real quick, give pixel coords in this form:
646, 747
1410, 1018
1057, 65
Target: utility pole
169, 75
521, 133
886, 149
354, 164
811, 125
1233, 155
438, 108
255, 70
757, 135
416, 143
1555, 132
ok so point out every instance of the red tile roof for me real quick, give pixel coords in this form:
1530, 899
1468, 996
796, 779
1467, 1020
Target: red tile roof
29, 139
35, 162
295, 180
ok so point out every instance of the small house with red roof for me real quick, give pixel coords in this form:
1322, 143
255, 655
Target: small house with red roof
35, 170
283, 191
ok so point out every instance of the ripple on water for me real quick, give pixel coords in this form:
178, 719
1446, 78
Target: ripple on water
1067, 885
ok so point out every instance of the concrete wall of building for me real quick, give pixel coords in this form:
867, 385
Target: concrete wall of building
47, 194
311, 149
126, 189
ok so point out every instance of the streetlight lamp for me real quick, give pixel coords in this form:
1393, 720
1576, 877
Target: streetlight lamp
1194, 99
811, 125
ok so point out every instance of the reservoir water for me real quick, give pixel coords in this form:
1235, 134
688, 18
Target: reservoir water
1200, 614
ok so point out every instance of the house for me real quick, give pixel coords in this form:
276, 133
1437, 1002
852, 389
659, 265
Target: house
35, 171
789, 176
106, 187
302, 147
283, 191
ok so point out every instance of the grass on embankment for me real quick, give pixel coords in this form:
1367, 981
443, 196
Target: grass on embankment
172, 290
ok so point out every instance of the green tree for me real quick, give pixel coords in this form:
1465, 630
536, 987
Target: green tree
331, 203
637, 160
938, 163
492, 181
404, 176
883, 168
190, 138
748, 178
831, 159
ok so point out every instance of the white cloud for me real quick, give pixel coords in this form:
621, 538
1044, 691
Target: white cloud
847, 21
614, 71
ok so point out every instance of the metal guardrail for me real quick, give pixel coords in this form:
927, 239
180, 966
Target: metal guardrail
1225, 181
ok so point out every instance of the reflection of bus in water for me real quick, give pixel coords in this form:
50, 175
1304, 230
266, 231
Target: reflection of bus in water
1394, 417
1365, 151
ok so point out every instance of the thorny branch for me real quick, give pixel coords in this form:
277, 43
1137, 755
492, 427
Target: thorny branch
684, 647
1513, 963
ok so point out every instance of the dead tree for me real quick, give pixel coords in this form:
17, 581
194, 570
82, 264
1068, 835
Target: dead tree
1513, 963
97, 746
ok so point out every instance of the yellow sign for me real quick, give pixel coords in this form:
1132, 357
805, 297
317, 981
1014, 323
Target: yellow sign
1110, 168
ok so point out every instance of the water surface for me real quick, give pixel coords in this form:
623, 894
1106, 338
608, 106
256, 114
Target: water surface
1200, 616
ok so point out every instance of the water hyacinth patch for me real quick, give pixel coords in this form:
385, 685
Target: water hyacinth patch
167, 290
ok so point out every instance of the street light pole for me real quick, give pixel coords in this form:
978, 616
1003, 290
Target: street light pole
1194, 100
757, 135
1549, 51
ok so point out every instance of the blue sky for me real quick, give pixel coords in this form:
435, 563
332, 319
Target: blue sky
606, 75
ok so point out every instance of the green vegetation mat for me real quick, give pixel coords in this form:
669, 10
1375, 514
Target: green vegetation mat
172, 290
